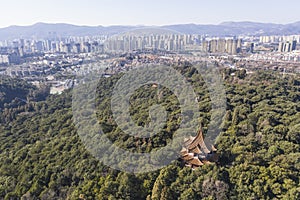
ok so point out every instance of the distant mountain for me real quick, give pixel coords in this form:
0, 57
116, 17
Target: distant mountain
238, 28
45, 30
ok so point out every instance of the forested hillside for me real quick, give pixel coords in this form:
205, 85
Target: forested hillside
42, 156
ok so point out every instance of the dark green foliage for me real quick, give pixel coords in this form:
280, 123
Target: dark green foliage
42, 156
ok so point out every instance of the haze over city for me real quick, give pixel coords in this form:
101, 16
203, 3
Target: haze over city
133, 12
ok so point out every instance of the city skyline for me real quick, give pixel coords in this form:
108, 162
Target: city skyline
133, 12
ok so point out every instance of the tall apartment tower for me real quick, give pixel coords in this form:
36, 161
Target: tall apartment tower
221, 45
287, 46
205, 46
213, 46
280, 46
294, 45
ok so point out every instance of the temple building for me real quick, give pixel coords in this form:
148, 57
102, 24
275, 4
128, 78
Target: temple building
195, 153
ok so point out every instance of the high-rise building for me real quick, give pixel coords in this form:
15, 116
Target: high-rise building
280, 46
221, 45
287, 46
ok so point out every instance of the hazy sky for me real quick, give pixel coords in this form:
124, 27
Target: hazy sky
154, 12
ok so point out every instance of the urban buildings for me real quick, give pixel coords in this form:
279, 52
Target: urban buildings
230, 46
287, 46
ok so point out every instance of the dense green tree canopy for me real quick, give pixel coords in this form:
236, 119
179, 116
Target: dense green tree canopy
42, 157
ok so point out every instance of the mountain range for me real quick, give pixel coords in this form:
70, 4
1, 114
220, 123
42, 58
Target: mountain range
46, 30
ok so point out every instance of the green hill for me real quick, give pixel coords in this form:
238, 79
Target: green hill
42, 157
